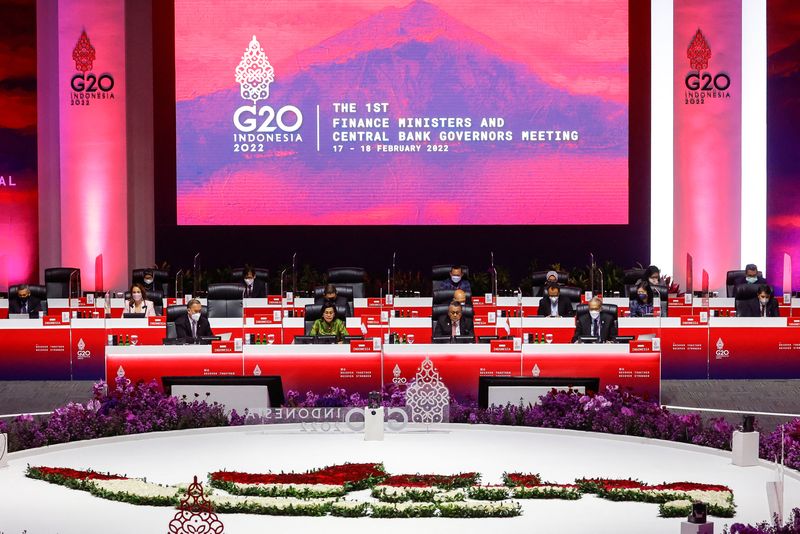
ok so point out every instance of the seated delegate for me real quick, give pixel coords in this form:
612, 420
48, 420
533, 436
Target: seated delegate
764, 306
642, 304
454, 323
554, 304
138, 303
596, 324
329, 324
192, 326
24, 303
751, 276
456, 280
253, 287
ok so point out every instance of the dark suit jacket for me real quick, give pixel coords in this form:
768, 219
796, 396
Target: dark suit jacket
752, 308
184, 330
258, 291
34, 306
564, 306
444, 327
608, 327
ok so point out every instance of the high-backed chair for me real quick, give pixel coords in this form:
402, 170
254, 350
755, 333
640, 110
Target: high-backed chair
744, 293
573, 293
56, 282
344, 294
160, 279
539, 280
354, 277
440, 273
630, 277
610, 309
237, 275
225, 300
314, 312
38, 292
445, 296
730, 281
662, 294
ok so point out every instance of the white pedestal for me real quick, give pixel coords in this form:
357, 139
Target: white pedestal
373, 424
745, 448
697, 528
3, 450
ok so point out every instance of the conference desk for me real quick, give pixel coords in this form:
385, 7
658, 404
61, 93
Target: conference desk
320, 367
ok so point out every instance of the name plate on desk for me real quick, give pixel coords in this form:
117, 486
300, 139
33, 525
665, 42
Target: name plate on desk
676, 301
371, 320
223, 347
365, 345
641, 346
268, 318
478, 301
480, 320
274, 300
793, 321
157, 320
55, 320
505, 345
374, 302
694, 320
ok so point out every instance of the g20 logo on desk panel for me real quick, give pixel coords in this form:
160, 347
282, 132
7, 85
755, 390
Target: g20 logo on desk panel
722, 352
87, 86
259, 125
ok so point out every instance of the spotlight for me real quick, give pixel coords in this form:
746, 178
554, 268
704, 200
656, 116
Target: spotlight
699, 512
747, 423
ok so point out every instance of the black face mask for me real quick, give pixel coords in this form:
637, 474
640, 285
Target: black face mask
24, 300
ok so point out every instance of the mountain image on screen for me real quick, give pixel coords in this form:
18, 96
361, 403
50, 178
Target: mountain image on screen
423, 63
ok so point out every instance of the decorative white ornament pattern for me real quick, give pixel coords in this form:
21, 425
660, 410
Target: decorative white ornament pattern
81, 344
120, 372
254, 73
536, 370
428, 397
257, 371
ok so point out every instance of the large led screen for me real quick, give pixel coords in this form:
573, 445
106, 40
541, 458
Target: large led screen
389, 112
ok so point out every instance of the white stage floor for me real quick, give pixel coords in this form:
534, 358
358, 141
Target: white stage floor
37, 507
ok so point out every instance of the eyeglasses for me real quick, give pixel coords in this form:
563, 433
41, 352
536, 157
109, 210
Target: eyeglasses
455, 312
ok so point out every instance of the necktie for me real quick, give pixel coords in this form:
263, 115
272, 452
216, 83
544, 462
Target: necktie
553, 309
454, 326
24, 307
763, 310
596, 327
194, 328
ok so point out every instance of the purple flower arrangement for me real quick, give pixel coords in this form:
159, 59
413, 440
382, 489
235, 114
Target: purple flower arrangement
130, 408
790, 527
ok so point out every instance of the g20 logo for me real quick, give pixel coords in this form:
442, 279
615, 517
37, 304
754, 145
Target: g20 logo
90, 83
720, 82
252, 119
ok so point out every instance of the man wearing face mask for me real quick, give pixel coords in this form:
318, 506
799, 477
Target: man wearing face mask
601, 326
253, 287
147, 279
25, 303
192, 326
751, 276
554, 304
456, 280
764, 306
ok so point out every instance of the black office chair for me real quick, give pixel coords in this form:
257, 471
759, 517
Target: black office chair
314, 312
39, 292
155, 295
445, 296
175, 311
730, 281
56, 282
610, 309
743, 294
574, 294
160, 279
342, 292
225, 300
354, 277
440, 273
630, 277
539, 280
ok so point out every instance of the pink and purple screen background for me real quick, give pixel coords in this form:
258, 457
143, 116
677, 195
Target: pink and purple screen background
540, 65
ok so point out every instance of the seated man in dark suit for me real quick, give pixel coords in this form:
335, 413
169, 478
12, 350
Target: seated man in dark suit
253, 287
764, 306
751, 276
454, 323
554, 304
456, 280
596, 324
193, 325
25, 303
330, 294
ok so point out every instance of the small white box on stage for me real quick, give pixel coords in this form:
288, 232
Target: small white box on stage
697, 528
487, 297
3, 450
744, 448
373, 424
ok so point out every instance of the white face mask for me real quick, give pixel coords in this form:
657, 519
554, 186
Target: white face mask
137, 296
751, 279
553, 299
763, 300
594, 314
248, 281
455, 279
148, 281
195, 317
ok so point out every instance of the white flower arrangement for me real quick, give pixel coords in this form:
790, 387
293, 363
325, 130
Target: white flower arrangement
289, 490
546, 491
136, 487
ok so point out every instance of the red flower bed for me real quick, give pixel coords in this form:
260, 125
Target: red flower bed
336, 475
687, 486
75, 474
525, 480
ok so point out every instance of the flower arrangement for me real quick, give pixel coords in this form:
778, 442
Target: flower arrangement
530, 486
672, 497
792, 526
333, 481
